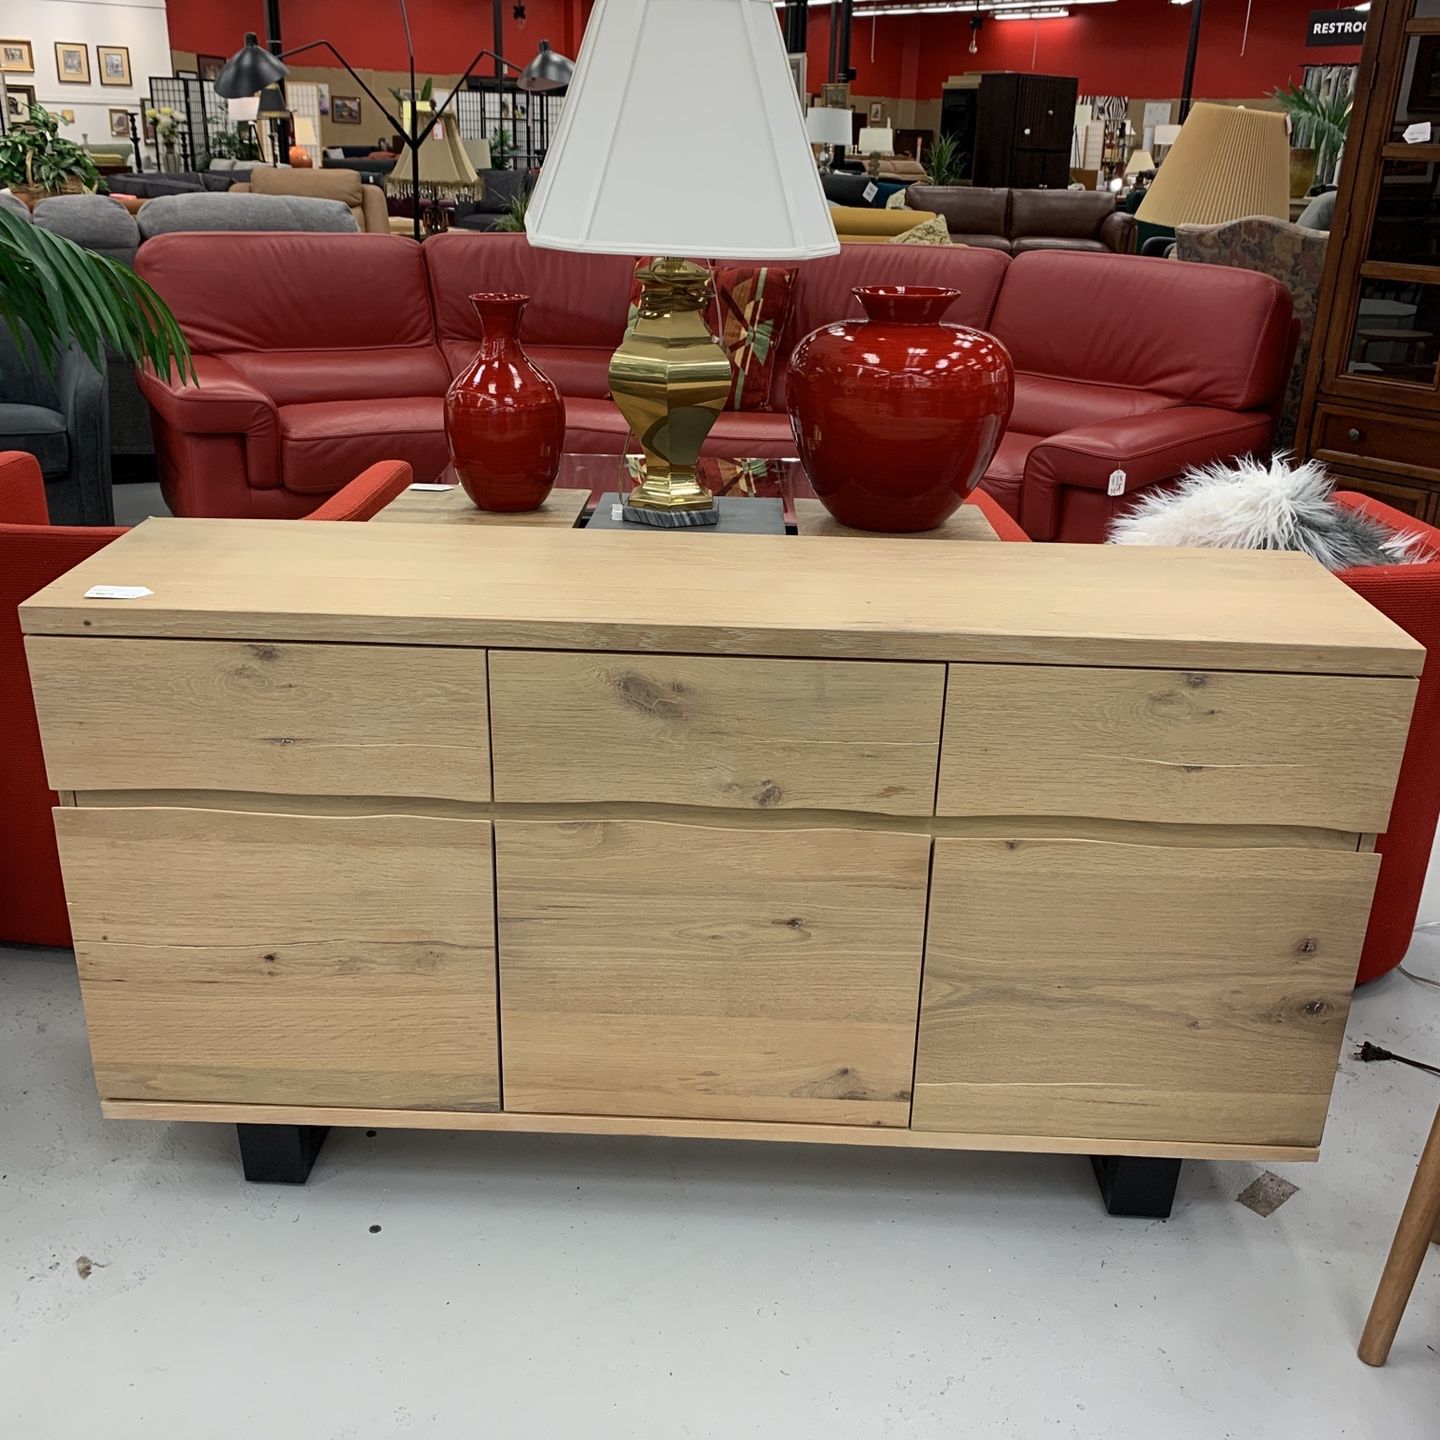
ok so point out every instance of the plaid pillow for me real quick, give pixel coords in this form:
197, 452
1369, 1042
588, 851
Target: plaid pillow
752, 305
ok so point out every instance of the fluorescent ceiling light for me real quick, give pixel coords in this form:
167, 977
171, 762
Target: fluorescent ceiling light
1031, 15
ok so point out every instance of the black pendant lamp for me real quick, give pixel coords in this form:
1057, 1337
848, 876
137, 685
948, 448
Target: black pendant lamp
249, 70
547, 72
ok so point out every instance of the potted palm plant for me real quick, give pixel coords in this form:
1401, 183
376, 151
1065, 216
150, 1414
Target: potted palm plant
1318, 125
58, 293
36, 160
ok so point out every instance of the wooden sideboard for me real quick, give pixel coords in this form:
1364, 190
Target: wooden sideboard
825, 839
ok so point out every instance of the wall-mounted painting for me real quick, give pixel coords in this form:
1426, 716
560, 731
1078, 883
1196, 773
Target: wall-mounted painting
120, 124
209, 66
18, 100
345, 109
72, 63
114, 64
17, 57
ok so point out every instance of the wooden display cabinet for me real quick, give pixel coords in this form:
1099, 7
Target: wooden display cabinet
1371, 407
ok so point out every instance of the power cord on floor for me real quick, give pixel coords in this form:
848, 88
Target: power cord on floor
1370, 1053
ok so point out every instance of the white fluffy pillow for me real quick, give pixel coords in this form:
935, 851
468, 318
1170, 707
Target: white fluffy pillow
1249, 505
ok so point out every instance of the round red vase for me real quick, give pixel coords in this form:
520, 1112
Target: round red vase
504, 418
897, 415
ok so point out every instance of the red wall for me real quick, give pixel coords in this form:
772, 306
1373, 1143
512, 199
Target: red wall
1131, 47
369, 34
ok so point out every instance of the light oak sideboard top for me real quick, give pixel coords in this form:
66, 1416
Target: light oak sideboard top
737, 595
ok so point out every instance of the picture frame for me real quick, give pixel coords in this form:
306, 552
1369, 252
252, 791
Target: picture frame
18, 100
798, 67
877, 112
836, 95
1425, 80
119, 124
113, 62
210, 66
345, 109
17, 57
72, 63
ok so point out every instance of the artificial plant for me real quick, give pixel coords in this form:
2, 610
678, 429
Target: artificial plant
36, 159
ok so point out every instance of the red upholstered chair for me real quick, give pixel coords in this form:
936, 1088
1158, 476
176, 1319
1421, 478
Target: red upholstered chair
1410, 596
32, 554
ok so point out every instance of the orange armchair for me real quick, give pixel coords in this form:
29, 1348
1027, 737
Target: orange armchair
32, 554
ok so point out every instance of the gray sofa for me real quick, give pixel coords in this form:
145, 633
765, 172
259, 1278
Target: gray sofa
246, 211
62, 419
501, 188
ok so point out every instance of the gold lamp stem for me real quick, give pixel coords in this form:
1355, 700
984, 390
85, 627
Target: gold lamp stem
670, 378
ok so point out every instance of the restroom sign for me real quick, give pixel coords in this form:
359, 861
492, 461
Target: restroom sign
1337, 27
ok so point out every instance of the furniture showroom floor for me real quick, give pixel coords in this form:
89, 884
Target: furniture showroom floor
446, 1285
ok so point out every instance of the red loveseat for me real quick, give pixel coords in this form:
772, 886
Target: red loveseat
335, 350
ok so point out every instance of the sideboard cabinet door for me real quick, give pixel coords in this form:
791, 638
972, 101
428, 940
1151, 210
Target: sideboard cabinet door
1137, 992
670, 970
285, 959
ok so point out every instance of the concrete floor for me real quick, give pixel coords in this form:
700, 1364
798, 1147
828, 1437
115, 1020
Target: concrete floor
541, 1287
537, 1287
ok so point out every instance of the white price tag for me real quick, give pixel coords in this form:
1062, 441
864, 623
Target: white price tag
1117, 483
428, 486
1418, 133
870, 192
617, 512
117, 592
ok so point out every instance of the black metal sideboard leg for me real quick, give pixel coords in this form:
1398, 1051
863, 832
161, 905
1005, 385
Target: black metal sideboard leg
280, 1154
1137, 1187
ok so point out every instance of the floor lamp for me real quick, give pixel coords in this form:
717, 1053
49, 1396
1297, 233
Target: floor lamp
252, 68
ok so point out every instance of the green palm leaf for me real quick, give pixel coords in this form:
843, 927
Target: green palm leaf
1316, 120
59, 293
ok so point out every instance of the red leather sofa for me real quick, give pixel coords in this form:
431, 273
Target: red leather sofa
32, 554
318, 354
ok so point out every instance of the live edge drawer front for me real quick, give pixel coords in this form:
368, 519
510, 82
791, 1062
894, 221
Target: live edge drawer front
300, 719
268, 959
1136, 992
716, 731
1188, 747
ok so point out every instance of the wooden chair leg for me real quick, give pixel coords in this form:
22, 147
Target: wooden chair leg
1419, 1221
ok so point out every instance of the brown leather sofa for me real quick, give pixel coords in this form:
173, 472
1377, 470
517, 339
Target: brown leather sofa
366, 202
1015, 221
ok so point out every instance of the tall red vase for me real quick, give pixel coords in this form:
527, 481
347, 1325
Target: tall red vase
504, 418
896, 416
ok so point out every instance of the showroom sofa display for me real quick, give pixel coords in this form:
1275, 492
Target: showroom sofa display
1019, 220
1148, 366
366, 202
499, 190
33, 552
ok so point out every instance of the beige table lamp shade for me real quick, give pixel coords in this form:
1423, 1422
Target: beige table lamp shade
876, 139
445, 168
1228, 162
1166, 134
828, 125
1139, 162
671, 97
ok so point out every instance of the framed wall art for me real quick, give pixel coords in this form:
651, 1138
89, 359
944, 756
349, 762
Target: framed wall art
18, 100
17, 57
114, 63
120, 124
209, 66
345, 109
72, 63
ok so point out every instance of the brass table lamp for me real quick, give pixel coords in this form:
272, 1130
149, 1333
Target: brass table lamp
630, 173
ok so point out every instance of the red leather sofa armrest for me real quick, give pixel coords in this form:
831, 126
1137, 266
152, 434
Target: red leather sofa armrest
1148, 448
221, 402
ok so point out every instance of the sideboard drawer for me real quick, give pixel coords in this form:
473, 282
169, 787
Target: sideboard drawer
1195, 747
299, 719
1133, 992
1358, 436
269, 959
764, 975
701, 730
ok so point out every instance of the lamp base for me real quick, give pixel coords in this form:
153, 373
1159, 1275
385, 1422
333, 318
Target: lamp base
672, 519
670, 378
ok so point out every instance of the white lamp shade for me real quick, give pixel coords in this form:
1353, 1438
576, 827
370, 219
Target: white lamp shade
828, 125
305, 131
666, 91
876, 138
244, 109
1139, 163
1166, 134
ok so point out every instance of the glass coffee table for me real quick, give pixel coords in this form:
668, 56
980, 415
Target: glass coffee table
583, 479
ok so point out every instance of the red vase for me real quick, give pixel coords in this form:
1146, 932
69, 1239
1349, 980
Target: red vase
898, 415
504, 418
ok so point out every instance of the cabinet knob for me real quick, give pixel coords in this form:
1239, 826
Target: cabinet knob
1027, 130
1353, 433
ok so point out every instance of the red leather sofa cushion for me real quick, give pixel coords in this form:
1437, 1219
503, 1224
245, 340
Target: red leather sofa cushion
1148, 325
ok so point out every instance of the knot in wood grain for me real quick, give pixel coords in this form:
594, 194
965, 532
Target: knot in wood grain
643, 694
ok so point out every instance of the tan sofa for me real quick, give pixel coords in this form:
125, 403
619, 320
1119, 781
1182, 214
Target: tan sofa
366, 202
859, 225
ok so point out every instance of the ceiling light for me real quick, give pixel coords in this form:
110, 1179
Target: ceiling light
1032, 15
